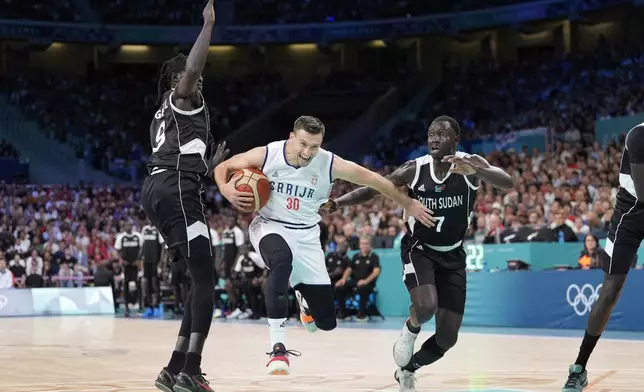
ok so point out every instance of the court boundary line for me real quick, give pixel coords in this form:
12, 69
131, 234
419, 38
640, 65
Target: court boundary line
608, 373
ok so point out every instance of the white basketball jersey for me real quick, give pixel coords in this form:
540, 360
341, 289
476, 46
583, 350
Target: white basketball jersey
297, 193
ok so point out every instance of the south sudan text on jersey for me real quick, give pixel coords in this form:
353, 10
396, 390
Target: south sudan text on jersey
452, 201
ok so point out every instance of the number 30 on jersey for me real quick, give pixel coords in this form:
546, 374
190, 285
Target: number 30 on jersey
293, 203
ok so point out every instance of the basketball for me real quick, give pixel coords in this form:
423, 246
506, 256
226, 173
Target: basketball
254, 181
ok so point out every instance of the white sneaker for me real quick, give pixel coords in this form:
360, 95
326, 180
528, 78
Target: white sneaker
404, 346
406, 380
217, 313
237, 312
305, 314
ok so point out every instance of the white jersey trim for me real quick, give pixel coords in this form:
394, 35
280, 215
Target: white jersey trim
185, 112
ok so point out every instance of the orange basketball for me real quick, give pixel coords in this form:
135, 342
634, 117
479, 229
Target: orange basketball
254, 181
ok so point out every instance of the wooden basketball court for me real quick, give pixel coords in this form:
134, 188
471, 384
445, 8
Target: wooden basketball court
104, 354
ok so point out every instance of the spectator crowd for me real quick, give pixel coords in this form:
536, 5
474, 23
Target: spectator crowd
102, 117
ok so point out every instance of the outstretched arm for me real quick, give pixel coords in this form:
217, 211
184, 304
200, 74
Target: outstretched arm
185, 91
357, 174
635, 148
400, 177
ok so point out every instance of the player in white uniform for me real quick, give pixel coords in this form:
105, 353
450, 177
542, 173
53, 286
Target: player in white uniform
286, 231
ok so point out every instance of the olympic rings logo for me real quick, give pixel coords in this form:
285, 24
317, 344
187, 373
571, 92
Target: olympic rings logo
582, 299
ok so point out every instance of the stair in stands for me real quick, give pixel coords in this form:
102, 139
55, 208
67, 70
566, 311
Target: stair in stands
50, 161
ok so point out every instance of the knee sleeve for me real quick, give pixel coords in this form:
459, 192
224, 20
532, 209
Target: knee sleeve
279, 259
321, 302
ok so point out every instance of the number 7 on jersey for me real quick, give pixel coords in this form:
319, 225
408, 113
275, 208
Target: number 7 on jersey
439, 223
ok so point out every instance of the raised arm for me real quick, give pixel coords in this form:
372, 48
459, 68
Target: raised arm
251, 158
357, 174
635, 148
184, 93
400, 177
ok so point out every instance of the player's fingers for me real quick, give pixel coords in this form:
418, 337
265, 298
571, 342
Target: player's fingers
426, 222
245, 195
448, 157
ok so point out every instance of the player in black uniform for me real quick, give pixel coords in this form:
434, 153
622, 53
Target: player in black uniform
150, 255
233, 238
624, 238
433, 257
128, 243
172, 200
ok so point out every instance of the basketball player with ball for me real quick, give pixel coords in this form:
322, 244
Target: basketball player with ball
294, 180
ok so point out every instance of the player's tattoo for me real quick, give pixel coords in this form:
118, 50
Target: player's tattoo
402, 176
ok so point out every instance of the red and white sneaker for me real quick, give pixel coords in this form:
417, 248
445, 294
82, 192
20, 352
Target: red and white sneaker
279, 364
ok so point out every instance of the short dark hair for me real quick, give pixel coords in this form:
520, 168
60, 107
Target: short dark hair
453, 124
310, 124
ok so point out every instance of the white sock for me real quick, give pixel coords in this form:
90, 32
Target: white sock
277, 328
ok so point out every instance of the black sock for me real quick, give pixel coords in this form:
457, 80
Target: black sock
411, 328
587, 347
429, 353
193, 364
177, 361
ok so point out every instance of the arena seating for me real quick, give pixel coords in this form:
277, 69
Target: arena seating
102, 119
565, 94
47, 10
252, 12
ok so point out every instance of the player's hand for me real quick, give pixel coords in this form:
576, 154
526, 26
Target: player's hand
329, 207
240, 200
462, 168
361, 282
340, 283
474, 160
220, 155
209, 13
421, 213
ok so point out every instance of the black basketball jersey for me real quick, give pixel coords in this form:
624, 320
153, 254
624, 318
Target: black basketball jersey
152, 242
129, 245
452, 201
232, 240
180, 138
634, 147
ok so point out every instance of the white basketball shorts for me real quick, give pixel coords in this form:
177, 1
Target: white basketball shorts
309, 260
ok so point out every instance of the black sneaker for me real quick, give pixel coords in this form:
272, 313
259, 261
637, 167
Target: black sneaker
165, 380
188, 383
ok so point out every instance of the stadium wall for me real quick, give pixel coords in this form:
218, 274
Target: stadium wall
56, 301
528, 299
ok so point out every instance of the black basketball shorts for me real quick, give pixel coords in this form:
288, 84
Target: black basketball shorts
624, 238
444, 270
172, 200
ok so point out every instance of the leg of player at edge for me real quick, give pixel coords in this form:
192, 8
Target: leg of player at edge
599, 315
448, 323
624, 238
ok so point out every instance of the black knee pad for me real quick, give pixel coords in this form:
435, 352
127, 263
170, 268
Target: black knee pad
274, 250
279, 259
